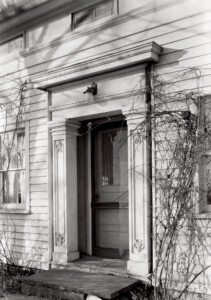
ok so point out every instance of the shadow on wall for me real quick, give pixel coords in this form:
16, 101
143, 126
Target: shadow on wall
171, 56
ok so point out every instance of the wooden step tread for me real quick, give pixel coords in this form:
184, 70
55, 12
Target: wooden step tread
74, 284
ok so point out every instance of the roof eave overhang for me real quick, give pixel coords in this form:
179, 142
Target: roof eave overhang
15, 25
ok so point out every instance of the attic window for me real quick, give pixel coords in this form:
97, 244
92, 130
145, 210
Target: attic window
92, 14
11, 46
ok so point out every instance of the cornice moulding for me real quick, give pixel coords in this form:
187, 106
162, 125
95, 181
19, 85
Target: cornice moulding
116, 59
73, 35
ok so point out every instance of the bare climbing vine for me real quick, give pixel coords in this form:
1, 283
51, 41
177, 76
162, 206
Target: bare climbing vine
180, 128
13, 109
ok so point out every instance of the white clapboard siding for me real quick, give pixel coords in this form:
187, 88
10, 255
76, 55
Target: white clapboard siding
31, 249
38, 143
39, 128
28, 217
11, 121
38, 188
31, 244
32, 236
39, 210
35, 259
39, 202
38, 173
38, 151
23, 222
27, 229
37, 166
38, 180
38, 106
38, 121
38, 136
38, 158
38, 98
180, 55
39, 195
38, 114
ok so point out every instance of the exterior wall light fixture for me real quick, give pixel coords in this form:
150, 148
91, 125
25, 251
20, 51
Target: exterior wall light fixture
92, 89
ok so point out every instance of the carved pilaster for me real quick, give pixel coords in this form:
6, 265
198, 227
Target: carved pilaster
65, 223
139, 196
59, 198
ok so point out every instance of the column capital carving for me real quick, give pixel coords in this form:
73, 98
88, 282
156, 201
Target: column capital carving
135, 119
134, 116
64, 126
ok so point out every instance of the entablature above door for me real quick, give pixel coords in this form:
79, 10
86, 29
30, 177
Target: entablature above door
119, 58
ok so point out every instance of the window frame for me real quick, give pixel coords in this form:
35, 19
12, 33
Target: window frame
115, 11
24, 207
13, 37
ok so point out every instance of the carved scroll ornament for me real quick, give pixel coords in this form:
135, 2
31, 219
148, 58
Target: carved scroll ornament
60, 239
139, 245
59, 146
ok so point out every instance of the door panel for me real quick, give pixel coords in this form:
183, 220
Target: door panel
110, 201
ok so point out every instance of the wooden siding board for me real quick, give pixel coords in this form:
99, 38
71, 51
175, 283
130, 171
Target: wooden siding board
38, 180
39, 210
38, 151
27, 229
23, 222
38, 106
38, 121
38, 129
38, 188
39, 203
38, 143
32, 236
38, 166
35, 173
38, 136
38, 158
38, 114
39, 195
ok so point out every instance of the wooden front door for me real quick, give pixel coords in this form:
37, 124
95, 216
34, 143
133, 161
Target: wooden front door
110, 192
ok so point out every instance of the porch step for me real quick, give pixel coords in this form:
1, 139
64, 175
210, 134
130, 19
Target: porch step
97, 265
76, 285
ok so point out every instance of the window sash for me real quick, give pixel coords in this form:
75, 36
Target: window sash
90, 15
12, 186
12, 167
13, 45
12, 151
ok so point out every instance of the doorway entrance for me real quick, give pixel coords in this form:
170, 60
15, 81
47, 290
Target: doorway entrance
110, 191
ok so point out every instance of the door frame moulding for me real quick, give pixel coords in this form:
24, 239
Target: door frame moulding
139, 263
89, 194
